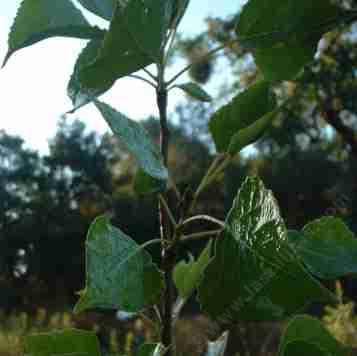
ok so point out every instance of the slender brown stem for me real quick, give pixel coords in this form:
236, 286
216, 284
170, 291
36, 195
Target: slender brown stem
200, 235
168, 250
203, 217
168, 211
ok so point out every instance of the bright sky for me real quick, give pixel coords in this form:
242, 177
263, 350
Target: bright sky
33, 83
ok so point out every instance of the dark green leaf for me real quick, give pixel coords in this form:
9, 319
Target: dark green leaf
327, 247
63, 343
41, 19
179, 9
134, 41
75, 90
218, 347
254, 274
187, 275
243, 111
299, 348
151, 350
119, 275
137, 140
195, 91
285, 39
250, 134
146, 184
310, 330
102, 8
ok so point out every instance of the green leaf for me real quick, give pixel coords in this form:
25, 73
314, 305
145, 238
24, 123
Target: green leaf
187, 275
255, 275
145, 184
151, 350
195, 91
63, 343
298, 348
327, 247
218, 347
119, 275
243, 111
42, 19
178, 11
285, 39
137, 140
251, 133
134, 41
310, 330
102, 8
75, 91
285, 62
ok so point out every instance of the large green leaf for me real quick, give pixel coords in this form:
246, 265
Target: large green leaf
298, 348
310, 330
187, 275
134, 41
254, 274
119, 275
75, 91
327, 247
242, 112
37, 20
63, 343
284, 33
102, 8
137, 140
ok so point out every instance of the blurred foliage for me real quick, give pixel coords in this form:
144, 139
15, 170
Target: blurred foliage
47, 204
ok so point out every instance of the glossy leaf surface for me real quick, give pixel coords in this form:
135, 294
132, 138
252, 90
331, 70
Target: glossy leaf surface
119, 275
243, 111
42, 19
254, 274
137, 140
63, 343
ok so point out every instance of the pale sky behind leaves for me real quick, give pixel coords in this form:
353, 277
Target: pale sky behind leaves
33, 83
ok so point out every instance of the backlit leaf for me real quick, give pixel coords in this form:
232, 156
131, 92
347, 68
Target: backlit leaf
187, 275
41, 19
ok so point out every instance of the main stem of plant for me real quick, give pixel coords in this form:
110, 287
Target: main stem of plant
168, 253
